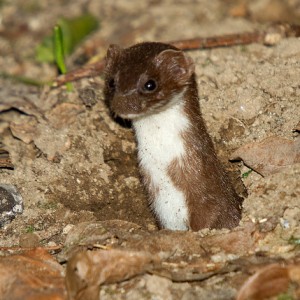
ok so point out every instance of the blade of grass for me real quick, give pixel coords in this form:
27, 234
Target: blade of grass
246, 174
59, 53
74, 31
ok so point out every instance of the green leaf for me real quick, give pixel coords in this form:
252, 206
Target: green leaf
246, 174
59, 52
73, 32
58, 49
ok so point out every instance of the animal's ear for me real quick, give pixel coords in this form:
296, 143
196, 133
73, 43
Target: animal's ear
113, 52
176, 64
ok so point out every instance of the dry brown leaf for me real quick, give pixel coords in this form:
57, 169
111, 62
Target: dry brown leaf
25, 131
51, 141
269, 281
86, 271
45, 133
33, 275
5, 161
20, 103
270, 155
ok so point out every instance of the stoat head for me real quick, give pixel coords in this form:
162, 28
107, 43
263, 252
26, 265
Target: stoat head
144, 78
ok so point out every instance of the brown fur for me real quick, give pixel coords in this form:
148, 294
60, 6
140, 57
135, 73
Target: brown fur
211, 199
130, 68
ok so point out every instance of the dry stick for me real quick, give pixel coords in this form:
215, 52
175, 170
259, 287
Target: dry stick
87, 71
269, 37
218, 41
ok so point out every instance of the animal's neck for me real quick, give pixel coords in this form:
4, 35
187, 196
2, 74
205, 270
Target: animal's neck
166, 124
160, 135
197, 133
160, 142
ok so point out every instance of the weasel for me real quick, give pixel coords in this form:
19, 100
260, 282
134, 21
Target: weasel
154, 85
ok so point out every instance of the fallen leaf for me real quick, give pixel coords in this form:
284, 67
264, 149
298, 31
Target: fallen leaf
20, 103
270, 155
34, 127
269, 281
33, 275
51, 141
87, 271
5, 161
26, 131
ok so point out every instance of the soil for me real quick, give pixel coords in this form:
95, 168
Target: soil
78, 164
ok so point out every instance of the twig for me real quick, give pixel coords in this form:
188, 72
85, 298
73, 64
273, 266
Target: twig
269, 37
87, 71
219, 41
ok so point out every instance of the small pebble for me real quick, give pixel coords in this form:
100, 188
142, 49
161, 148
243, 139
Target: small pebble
11, 203
88, 96
67, 228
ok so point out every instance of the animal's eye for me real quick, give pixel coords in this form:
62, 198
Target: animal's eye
112, 84
150, 85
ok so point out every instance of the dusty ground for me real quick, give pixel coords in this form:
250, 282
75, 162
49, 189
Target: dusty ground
76, 164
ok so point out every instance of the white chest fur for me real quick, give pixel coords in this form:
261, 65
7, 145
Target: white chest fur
159, 143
